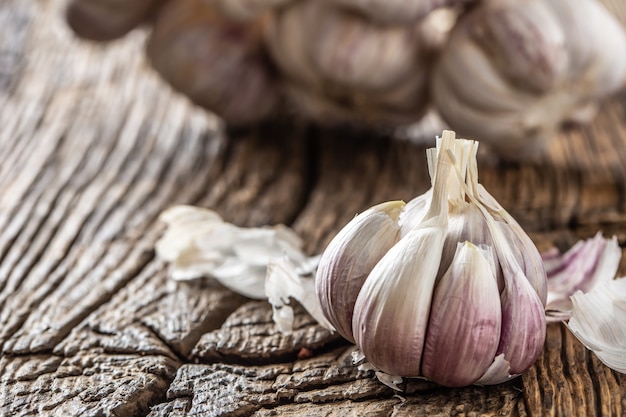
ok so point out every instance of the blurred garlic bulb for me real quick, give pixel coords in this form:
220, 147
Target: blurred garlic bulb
245, 9
448, 287
220, 64
104, 20
340, 66
513, 72
397, 11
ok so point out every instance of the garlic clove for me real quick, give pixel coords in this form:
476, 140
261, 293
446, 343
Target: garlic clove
392, 308
465, 319
347, 48
599, 322
525, 42
341, 68
465, 223
350, 257
523, 317
527, 256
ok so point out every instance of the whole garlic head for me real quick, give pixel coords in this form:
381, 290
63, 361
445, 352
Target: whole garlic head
339, 66
219, 63
448, 287
513, 72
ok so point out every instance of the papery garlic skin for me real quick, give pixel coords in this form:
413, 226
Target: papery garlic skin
199, 243
513, 72
349, 258
599, 322
585, 265
460, 298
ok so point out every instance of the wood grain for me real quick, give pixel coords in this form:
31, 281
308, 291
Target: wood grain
93, 146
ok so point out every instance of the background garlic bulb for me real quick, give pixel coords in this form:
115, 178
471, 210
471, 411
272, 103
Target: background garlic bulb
342, 66
219, 63
448, 287
513, 72
510, 72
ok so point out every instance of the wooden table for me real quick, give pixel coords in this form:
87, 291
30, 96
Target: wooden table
93, 146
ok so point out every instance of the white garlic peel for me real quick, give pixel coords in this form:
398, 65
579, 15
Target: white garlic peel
283, 282
257, 262
199, 243
446, 302
513, 72
599, 322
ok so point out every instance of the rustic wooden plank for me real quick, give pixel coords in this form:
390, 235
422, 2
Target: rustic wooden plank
89, 384
93, 147
250, 336
339, 389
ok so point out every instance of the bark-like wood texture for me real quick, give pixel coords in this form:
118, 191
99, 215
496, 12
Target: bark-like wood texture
93, 146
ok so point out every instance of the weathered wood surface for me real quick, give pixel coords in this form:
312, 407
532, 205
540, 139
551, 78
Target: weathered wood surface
93, 147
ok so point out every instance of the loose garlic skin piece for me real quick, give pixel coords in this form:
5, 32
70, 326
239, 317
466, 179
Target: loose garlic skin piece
105, 20
513, 72
219, 63
459, 299
338, 66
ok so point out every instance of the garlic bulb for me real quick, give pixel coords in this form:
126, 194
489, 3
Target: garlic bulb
104, 20
448, 287
342, 67
513, 72
220, 64
397, 11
